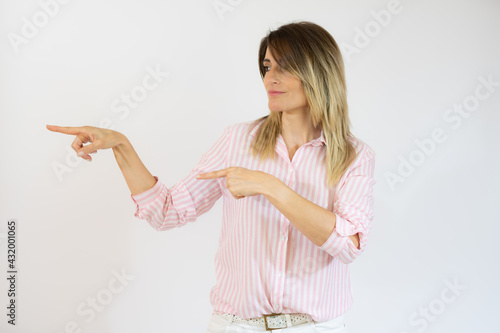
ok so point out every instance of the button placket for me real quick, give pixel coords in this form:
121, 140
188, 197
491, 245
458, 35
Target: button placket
280, 266
282, 248
291, 177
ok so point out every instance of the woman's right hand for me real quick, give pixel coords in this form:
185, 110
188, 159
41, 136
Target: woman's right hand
99, 138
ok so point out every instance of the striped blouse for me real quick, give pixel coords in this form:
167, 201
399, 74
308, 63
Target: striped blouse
263, 263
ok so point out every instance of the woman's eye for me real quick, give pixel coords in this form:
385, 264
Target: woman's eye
266, 68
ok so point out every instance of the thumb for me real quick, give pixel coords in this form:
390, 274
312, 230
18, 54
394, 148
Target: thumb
87, 149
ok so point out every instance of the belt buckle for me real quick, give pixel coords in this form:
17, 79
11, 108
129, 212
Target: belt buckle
273, 315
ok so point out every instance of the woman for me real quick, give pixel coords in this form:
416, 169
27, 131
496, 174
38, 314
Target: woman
297, 189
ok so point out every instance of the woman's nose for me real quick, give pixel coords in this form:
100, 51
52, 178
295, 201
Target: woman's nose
271, 76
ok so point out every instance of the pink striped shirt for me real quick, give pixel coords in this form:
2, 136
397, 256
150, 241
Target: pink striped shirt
263, 263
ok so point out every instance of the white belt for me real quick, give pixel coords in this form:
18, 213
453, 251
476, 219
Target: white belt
271, 321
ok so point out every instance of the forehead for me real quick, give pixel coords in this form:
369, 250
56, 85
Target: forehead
268, 56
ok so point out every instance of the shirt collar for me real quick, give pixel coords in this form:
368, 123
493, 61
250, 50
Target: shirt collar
320, 141
253, 132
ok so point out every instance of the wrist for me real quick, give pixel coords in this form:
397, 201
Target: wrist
120, 142
119, 139
271, 186
122, 148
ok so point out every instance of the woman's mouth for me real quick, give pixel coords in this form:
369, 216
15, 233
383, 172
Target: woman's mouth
274, 92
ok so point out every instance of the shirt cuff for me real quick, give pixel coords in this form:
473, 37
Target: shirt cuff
147, 197
339, 238
183, 203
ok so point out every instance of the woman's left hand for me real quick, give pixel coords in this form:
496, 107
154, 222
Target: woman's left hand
241, 182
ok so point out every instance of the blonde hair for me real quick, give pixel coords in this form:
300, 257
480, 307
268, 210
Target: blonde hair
310, 53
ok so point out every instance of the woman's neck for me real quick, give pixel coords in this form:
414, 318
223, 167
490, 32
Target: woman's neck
298, 129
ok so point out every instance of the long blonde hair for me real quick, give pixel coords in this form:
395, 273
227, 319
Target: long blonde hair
310, 53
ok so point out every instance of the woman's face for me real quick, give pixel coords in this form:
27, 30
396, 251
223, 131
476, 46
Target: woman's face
285, 91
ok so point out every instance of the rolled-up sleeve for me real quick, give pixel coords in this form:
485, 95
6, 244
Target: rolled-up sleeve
166, 208
353, 208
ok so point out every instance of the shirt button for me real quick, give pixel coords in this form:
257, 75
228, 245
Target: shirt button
279, 274
291, 170
283, 238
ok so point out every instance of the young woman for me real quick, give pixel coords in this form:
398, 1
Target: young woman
297, 192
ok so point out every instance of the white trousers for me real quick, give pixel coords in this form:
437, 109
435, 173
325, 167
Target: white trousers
219, 324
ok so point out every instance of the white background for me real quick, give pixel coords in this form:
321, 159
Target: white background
439, 223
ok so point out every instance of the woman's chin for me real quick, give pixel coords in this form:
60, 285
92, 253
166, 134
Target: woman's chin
275, 108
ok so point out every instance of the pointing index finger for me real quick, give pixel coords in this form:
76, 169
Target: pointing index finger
213, 174
65, 129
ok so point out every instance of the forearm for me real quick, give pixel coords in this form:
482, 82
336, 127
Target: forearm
315, 222
137, 176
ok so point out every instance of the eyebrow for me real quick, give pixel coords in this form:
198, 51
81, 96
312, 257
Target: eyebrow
266, 60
